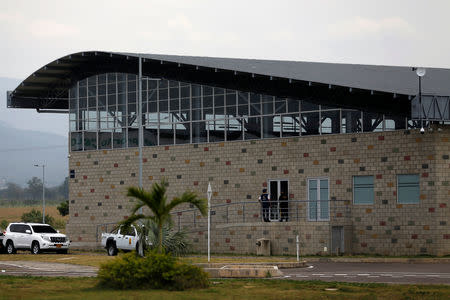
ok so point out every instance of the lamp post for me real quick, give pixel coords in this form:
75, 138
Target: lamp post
420, 73
209, 193
43, 191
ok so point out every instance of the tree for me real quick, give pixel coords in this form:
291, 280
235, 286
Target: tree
35, 187
63, 208
156, 201
173, 241
63, 189
14, 191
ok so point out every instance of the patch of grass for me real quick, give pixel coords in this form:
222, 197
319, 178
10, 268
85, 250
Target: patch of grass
84, 259
87, 288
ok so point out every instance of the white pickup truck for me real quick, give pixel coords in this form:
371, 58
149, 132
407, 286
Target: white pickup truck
1, 241
118, 239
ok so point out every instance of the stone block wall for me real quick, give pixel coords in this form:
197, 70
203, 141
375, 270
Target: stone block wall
238, 171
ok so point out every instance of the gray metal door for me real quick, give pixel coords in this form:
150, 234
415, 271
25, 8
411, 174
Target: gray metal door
337, 240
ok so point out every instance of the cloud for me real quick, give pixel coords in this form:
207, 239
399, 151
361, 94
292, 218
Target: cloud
358, 27
51, 29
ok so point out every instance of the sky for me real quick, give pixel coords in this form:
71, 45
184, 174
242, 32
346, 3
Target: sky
394, 32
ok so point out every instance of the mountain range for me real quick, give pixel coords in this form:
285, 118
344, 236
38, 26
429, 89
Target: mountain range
26, 140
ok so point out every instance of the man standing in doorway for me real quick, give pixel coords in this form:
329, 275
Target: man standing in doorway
264, 199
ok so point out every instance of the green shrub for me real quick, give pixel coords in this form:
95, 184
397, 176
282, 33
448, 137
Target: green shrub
35, 216
155, 271
4, 224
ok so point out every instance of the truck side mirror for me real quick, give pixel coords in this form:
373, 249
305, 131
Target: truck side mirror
28, 231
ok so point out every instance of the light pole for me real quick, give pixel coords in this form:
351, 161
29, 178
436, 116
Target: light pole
420, 73
209, 193
43, 191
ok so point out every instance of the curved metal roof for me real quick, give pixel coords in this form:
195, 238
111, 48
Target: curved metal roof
377, 88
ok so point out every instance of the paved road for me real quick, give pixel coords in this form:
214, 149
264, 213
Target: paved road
373, 272
34, 268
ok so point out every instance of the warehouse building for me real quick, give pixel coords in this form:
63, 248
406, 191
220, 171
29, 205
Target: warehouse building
361, 152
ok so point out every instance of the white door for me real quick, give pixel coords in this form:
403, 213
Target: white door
120, 240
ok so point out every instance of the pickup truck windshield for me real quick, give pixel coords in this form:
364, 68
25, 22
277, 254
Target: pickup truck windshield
43, 229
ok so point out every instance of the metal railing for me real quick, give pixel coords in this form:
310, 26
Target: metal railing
251, 211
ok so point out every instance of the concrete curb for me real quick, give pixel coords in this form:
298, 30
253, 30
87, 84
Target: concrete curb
379, 260
244, 271
249, 270
280, 265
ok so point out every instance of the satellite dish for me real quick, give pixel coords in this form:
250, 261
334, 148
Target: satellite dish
421, 72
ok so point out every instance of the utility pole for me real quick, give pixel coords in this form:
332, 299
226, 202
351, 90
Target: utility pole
43, 191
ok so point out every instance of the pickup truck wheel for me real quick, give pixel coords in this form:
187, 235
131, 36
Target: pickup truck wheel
112, 250
10, 248
35, 249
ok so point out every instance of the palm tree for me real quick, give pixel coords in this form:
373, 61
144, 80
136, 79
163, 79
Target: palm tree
156, 201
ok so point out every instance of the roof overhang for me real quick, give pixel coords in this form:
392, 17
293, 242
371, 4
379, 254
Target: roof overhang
369, 88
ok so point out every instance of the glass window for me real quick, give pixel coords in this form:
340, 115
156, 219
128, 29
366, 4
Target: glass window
318, 199
310, 123
242, 98
243, 110
185, 91
131, 86
372, 122
174, 104
252, 128
133, 136
122, 87
199, 134
280, 106
216, 130
268, 128
351, 121
182, 133
196, 103
102, 79
363, 190
231, 98
293, 105
308, 106
166, 134
207, 101
174, 92
234, 129
219, 100
90, 140
76, 143
207, 90
290, 125
121, 77
150, 137
104, 140
267, 108
119, 138
330, 121
408, 189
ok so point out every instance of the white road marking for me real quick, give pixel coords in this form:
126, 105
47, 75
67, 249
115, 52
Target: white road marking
310, 267
318, 274
363, 274
340, 274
